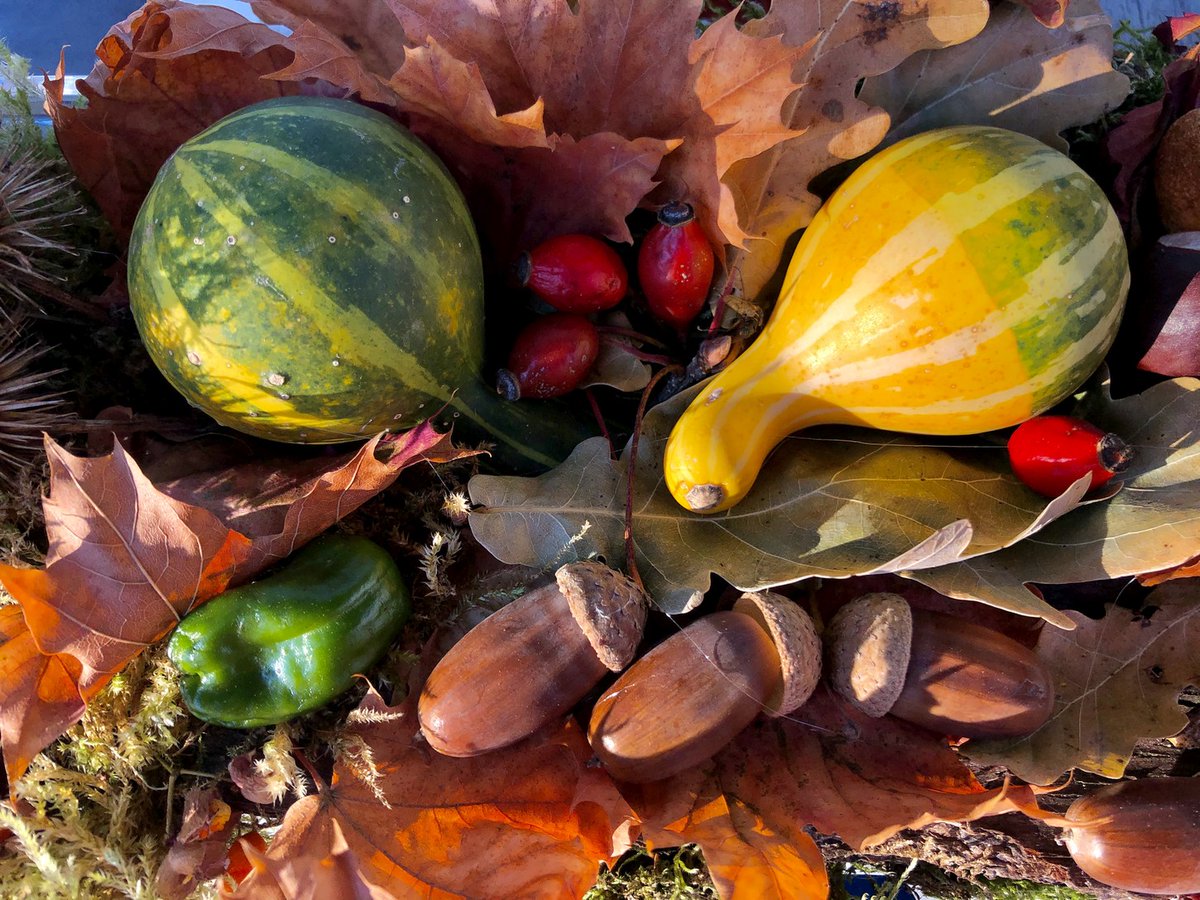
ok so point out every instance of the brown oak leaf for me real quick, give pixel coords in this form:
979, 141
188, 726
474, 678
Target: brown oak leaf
833, 768
848, 42
534, 820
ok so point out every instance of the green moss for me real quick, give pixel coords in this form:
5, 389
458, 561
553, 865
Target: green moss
662, 875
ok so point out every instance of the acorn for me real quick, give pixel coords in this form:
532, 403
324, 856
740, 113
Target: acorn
935, 670
691, 695
528, 663
1177, 174
1141, 836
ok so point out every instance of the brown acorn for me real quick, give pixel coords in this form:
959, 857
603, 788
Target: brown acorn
690, 696
530, 662
1141, 836
1177, 174
938, 671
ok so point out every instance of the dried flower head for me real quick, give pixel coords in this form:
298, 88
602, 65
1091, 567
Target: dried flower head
36, 204
27, 406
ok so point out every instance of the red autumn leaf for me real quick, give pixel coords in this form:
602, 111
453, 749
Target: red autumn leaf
1171, 308
534, 820
164, 74
126, 561
1176, 28
281, 505
308, 857
839, 771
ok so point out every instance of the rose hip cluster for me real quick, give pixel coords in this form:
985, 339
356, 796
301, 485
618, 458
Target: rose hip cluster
579, 275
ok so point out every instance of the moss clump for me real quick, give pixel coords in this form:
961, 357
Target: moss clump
661, 875
96, 803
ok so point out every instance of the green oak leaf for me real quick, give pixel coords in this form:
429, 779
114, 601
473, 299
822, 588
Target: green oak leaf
1152, 524
1116, 680
830, 502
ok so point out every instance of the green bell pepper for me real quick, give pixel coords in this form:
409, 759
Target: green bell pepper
272, 649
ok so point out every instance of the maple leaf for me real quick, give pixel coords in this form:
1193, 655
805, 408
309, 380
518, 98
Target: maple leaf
198, 852
534, 820
127, 561
1117, 680
164, 74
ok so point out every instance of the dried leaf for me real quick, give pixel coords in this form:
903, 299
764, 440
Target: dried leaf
745, 855
126, 561
1151, 525
531, 821
1117, 680
39, 694
615, 366
166, 73
282, 505
837, 770
1017, 74
853, 40
198, 852
308, 857
829, 502
371, 31
1170, 308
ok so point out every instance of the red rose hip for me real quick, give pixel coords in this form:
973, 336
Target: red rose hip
574, 273
550, 357
675, 266
1049, 453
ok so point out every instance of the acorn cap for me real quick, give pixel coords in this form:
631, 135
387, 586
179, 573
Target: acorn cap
796, 641
609, 608
870, 642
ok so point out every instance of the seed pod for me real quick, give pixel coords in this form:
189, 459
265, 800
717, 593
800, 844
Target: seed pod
1050, 453
530, 662
675, 266
574, 273
691, 695
935, 670
1141, 836
550, 357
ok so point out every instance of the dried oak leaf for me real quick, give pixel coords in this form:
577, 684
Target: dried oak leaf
164, 74
1152, 525
198, 851
534, 820
1117, 680
831, 122
826, 766
126, 561
1016, 74
829, 502
307, 858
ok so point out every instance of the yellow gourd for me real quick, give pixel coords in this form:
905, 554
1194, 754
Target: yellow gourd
962, 280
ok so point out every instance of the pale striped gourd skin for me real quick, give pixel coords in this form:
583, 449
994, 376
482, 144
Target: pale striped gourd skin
305, 270
960, 281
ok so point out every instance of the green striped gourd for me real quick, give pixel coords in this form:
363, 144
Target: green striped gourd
960, 281
306, 270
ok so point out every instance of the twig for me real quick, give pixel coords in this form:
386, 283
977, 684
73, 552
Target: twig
630, 564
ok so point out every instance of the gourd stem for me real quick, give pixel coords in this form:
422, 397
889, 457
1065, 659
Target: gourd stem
529, 435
